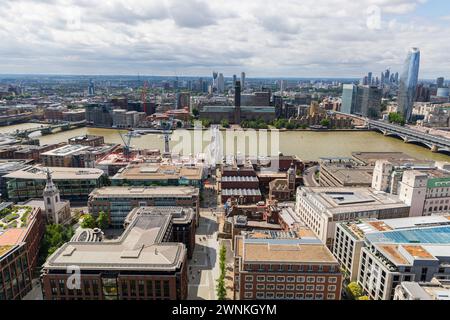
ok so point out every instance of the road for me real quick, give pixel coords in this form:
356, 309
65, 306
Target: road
309, 179
203, 267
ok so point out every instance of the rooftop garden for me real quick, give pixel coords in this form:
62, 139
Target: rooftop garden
15, 217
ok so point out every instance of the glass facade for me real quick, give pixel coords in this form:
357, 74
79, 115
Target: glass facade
70, 189
348, 98
408, 83
15, 278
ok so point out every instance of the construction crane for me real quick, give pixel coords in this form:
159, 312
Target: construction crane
126, 138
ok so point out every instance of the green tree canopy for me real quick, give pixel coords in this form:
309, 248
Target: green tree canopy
224, 123
102, 220
325, 123
355, 290
88, 222
396, 117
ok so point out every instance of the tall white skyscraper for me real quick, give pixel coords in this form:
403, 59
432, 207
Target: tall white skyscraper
408, 83
242, 81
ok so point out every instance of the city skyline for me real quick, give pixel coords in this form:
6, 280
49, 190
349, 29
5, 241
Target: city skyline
194, 37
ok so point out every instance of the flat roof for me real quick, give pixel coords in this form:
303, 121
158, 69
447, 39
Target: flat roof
356, 175
155, 171
241, 192
371, 157
139, 247
140, 192
12, 236
65, 150
335, 200
440, 234
405, 255
58, 173
281, 251
239, 179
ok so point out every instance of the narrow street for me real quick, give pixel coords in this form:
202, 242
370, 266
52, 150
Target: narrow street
203, 267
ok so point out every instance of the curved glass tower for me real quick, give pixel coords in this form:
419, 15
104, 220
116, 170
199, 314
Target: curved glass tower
408, 83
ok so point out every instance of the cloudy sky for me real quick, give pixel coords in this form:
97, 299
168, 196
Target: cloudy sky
290, 38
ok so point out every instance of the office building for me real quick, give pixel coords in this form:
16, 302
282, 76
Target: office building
363, 100
20, 240
344, 172
63, 156
117, 202
256, 99
433, 290
76, 115
348, 98
408, 83
350, 237
242, 81
279, 265
99, 114
392, 257
322, 207
368, 101
221, 83
143, 264
183, 223
6, 167
427, 192
156, 174
87, 140
74, 184
91, 88
440, 82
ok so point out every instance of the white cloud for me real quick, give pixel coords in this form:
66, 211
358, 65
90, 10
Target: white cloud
263, 37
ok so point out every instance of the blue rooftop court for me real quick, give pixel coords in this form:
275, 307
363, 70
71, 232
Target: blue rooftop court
436, 235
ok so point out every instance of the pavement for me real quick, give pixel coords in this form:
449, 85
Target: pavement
309, 179
36, 292
203, 269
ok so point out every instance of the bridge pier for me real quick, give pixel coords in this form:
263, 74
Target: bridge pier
434, 148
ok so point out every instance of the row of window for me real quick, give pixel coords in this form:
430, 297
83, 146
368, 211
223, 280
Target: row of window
289, 268
147, 288
289, 295
290, 287
309, 279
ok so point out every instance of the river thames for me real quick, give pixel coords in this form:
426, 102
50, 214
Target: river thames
307, 145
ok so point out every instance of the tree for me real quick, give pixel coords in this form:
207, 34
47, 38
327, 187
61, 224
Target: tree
396, 117
325, 122
102, 220
54, 237
220, 287
206, 122
224, 123
355, 290
88, 222
195, 112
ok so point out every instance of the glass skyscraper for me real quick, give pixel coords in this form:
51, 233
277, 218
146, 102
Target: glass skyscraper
348, 98
408, 83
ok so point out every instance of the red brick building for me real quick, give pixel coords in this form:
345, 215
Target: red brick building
140, 265
282, 267
19, 249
